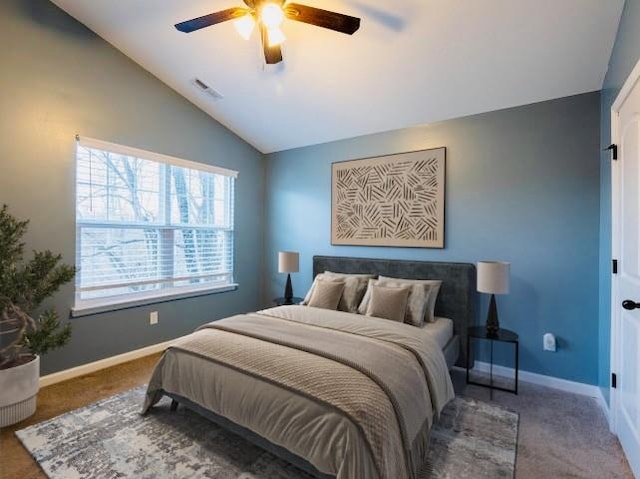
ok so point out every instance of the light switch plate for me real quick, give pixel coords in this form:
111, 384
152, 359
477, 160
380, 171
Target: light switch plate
153, 317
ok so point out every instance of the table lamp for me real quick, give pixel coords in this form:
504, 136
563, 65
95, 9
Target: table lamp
493, 278
288, 262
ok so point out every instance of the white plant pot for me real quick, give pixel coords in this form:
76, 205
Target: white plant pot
18, 389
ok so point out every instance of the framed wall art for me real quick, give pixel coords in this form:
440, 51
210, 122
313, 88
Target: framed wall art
395, 200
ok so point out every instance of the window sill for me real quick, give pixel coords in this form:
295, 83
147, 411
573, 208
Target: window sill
97, 306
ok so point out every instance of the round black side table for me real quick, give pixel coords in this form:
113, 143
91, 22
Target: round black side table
502, 336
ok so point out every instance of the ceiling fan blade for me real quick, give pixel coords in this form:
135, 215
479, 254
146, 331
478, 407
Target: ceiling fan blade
272, 55
322, 18
211, 19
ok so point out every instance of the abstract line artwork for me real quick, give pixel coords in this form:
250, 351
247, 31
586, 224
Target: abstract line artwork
395, 200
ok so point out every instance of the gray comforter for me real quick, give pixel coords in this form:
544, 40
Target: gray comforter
354, 396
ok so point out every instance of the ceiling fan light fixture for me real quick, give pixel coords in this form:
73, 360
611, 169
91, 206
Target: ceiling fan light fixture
271, 15
276, 37
245, 25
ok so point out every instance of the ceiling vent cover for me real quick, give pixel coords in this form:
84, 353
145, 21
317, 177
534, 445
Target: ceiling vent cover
204, 88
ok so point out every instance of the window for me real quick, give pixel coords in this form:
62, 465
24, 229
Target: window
149, 226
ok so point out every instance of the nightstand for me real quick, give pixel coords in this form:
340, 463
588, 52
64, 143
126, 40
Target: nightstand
502, 336
283, 302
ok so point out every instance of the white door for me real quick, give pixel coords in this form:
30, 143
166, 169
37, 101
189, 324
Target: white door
626, 284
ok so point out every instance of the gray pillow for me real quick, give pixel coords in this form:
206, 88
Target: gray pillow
388, 302
364, 304
326, 294
434, 284
418, 301
355, 287
422, 299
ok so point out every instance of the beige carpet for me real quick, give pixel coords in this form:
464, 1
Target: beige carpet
562, 435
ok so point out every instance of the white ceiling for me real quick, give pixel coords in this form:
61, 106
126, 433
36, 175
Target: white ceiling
412, 62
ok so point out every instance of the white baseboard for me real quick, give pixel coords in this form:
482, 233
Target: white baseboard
88, 368
542, 380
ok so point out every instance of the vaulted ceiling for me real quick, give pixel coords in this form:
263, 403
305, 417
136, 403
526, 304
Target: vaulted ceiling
412, 62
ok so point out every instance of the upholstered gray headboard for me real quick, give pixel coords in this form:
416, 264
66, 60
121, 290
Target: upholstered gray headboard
457, 298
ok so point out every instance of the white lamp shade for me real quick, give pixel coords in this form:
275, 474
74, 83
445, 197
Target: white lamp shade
493, 277
288, 262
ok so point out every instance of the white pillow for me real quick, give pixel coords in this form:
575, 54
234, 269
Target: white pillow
307, 297
364, 304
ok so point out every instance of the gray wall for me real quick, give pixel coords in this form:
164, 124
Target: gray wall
522, 186
625, 55
59, 79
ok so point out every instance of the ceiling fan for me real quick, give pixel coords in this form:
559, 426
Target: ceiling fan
269, 15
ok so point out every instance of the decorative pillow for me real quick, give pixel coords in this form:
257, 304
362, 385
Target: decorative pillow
327, 294
422, 299
307, 297
434, 286
355, 287
319, 277
417, 303
388, 302
364, 304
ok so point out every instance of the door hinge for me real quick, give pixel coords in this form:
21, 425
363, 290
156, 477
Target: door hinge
614, 148
614, 380
615, 266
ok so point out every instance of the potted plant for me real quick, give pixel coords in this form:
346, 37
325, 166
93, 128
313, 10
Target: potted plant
24, 285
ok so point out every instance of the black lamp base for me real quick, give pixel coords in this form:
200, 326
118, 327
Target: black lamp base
493, 325
288, 291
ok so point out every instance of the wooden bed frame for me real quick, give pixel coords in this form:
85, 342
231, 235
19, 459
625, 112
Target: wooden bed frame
456, 301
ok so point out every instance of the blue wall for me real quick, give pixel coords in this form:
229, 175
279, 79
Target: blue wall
522, 186
624, 57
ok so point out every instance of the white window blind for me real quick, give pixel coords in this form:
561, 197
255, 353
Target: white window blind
149, 226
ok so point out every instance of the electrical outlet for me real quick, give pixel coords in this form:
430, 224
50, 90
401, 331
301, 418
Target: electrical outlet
549, 342
153, 317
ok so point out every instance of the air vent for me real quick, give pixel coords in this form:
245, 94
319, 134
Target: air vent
204, 88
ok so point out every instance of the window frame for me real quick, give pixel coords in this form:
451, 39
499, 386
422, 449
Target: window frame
84, 307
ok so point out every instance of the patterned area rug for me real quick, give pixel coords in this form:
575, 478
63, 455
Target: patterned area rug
110, 439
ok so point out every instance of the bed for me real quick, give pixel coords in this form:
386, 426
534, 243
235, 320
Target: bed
457, 299
334, 393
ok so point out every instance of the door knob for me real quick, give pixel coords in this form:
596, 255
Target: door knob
630, 305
